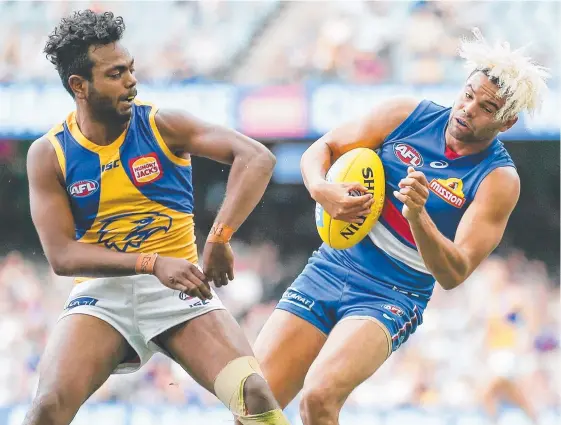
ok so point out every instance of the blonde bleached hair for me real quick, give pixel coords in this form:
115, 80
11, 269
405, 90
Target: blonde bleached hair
521, 81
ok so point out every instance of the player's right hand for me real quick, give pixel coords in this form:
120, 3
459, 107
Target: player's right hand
344, 201
182, 275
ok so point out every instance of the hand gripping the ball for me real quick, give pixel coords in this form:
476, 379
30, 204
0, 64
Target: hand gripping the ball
413, 192
348, 202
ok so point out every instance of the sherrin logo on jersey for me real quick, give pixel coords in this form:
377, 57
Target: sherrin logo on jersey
83, 188
145, 169
449, 190
408, 155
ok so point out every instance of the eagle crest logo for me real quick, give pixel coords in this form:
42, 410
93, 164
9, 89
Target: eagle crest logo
120, 232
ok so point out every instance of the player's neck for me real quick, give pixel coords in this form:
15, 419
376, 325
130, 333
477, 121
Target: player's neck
99, 132
463, 148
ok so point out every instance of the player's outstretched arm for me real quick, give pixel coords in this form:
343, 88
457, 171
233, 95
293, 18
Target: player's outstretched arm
479, 232
252, 163
52, 216
252, 168
367, 132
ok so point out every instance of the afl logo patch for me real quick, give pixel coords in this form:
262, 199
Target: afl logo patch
145, 169
408, 155
393, 309
83, 188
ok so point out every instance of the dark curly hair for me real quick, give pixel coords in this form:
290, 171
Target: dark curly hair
67, 46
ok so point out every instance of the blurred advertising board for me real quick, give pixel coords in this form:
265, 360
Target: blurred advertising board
264, 112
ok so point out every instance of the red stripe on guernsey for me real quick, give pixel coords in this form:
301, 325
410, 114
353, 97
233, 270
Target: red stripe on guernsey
397, 222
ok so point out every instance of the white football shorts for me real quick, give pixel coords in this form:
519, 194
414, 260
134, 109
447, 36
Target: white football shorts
139, 307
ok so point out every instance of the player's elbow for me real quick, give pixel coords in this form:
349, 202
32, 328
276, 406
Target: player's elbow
263, 159
449, 284
318, 153
454, 279
60, 262
268, 158
456, 271
60, 267
304, 160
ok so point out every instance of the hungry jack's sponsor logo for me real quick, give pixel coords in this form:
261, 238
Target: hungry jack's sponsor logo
145, 169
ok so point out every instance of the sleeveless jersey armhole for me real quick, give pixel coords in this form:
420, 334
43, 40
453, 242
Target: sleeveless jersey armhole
488, 171
400, 129
182, 162
51, 136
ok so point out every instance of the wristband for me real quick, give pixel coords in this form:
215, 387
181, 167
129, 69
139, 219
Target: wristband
145, 263
220, 233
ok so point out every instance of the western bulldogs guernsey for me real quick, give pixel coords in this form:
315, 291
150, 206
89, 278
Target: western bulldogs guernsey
133, 195
384, 277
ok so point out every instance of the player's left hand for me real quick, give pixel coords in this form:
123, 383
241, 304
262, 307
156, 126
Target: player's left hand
413, 192
218, 263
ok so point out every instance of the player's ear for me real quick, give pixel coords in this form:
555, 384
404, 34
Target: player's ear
508, 124
79, 86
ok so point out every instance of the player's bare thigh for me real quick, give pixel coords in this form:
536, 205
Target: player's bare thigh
285, 348
206, 344
81, 345
81, 353
355, 349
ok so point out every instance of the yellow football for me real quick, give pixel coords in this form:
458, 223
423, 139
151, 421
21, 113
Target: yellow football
360, 165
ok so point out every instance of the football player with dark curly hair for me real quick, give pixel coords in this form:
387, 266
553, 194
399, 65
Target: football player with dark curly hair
112, 200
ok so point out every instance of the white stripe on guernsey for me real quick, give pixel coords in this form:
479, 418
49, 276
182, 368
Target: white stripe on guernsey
387, 242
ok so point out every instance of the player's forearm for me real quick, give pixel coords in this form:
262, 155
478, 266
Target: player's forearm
314, 164
441, 256
248, 179
81, 259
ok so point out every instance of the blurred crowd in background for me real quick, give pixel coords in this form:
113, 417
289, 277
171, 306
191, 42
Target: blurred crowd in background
502, 323
248, 42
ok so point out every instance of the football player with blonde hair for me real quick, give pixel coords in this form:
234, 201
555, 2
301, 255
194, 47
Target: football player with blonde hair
450, 189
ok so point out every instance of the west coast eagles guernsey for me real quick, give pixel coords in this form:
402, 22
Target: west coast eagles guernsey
389, 254
133, 195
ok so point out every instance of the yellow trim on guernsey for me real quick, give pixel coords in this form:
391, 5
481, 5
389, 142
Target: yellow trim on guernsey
83, 141
51, 136
182, 162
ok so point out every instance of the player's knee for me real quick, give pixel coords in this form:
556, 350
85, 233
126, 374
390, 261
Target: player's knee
257, 395
242, 389
50, 409
319, 402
